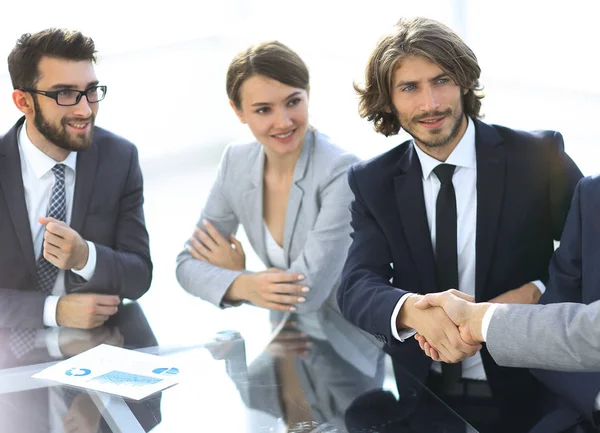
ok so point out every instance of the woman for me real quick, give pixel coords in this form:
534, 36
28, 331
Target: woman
289, 191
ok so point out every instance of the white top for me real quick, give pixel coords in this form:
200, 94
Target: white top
307, 322
465, 187
38, 180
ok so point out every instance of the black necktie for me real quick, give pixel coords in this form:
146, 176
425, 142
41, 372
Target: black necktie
446, 256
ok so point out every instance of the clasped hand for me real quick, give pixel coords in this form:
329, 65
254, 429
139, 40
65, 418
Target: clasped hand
210, 246
442, 332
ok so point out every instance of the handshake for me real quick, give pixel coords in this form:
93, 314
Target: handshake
448, 324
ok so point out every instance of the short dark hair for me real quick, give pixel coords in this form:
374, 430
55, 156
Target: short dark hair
416, 37
271, 59
24, 59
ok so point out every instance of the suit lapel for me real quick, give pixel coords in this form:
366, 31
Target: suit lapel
253, 205
296, 193
491, 174
408, 187
87, 166
11, 182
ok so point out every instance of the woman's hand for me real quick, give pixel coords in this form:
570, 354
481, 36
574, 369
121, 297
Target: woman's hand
211, 247
273, 289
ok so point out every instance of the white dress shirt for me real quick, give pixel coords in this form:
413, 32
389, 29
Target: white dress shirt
465, 186
485, 324
38, 180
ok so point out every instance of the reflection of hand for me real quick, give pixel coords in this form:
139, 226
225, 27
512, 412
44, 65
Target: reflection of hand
83, 415
63, 246
85, 310
461, 310
434, 325
75, 341
210, 246
289, 343
273, 289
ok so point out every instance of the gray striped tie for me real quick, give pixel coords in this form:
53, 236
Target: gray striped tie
57, 208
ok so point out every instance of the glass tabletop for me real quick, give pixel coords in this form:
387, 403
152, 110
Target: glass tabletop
268, 375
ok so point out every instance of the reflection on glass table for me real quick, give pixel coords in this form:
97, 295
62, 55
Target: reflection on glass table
298, 383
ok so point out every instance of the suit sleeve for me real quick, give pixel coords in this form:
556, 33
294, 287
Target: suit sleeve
126, 268
366, 296
203, 279
558, 336
564, 282
565, 285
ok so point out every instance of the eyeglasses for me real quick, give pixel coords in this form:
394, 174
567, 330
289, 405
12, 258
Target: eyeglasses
69, 97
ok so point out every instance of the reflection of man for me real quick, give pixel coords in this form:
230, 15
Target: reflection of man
558, 336
70, 193
56, 408
464, 204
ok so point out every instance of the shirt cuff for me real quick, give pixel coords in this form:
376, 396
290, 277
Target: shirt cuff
87, 272
597, 403
52, 344
50, 305
487, 318
405, 333
540, 285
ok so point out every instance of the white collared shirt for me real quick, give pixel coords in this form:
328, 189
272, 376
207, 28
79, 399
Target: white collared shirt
38, 179
465, 186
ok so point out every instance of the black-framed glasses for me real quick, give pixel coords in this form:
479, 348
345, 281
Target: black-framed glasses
69, 97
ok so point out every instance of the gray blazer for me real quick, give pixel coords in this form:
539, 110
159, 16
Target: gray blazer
554, 337
316, 234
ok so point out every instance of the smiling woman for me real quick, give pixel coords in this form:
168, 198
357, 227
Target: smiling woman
289, 191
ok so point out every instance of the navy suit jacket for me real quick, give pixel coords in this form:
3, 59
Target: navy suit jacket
107, 210
525, 182
575, 277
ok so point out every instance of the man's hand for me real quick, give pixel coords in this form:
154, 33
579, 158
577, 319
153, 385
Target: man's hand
273, 289
210, 246
75, 341
461, 310
438, 330
83, 415
85, 310
63, 247
526, 294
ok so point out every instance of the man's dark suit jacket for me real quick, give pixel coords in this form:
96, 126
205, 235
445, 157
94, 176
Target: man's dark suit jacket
525, 182
575, 277
107, 210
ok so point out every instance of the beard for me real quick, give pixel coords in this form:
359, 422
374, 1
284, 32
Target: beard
436, 139
59, 136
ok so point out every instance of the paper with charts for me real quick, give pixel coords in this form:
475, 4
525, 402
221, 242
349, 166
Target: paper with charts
114, 370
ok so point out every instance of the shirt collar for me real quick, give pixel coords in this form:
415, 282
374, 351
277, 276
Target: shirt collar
463, 154
38, 161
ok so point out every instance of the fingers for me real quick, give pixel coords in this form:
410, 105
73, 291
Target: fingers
425, 302
433, 354
285, 299
198, 250
108, 300
461, 295
217, 238
205, 239
54, 226
284, 277
237, 244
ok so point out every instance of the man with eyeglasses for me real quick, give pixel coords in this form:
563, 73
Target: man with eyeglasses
74, 241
